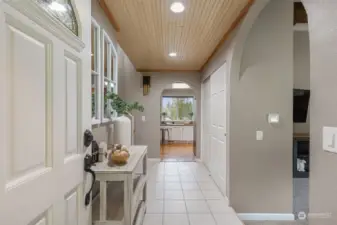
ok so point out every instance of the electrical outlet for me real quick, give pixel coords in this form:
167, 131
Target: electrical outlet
259, 135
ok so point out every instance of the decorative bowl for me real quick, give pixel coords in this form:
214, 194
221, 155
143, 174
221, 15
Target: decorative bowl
119, 157
119, 160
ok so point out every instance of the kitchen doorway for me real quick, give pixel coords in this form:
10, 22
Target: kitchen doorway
177, 125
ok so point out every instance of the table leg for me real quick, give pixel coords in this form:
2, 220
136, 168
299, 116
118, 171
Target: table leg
103, 201
145, 174
128, 189
162, 136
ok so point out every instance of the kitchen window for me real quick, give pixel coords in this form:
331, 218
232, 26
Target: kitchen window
177, 108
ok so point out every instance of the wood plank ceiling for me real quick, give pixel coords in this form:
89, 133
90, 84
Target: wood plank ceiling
148, 30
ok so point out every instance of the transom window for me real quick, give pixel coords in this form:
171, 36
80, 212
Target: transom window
61, 10
104, 69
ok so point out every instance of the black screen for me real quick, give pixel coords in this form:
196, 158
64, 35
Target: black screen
303, 148
300, 105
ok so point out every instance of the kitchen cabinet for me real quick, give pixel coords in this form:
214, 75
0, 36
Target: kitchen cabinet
187, 133
179, 133
175, 133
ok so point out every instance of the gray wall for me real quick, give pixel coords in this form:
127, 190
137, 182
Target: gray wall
271, 175
147, 132
323, 165
260, 173
262, 181
302, 72
178, 92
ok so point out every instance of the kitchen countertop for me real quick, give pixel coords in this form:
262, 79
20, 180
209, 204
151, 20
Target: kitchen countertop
176, 125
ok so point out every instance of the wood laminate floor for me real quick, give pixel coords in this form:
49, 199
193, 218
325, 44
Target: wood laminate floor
177, 152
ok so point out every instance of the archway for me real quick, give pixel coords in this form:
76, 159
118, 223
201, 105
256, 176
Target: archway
322, 21
244, 64
178, 122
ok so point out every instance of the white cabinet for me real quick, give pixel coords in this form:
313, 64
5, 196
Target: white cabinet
187, 133
175, 133
179, 133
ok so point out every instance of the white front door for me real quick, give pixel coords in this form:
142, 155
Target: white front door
41, 121
218, 162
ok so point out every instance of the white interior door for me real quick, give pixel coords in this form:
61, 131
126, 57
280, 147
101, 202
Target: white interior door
218, 161
41, 122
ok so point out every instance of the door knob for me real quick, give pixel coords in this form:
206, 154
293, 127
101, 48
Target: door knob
88, 162
88, 138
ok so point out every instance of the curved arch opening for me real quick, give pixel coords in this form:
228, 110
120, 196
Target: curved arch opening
245, 68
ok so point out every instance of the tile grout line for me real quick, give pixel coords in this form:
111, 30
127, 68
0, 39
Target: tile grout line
207, 200
163, 215
187, 213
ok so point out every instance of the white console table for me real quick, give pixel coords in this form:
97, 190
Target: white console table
134, 192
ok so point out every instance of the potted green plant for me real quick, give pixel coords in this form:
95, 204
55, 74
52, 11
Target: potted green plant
163, 116
122, 107
93, 105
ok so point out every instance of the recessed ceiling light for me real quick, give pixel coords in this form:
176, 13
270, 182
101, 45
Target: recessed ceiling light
57, 7
173, 54
177, 7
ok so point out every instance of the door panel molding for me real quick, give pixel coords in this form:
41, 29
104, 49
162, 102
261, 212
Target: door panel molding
27, 104
73, 98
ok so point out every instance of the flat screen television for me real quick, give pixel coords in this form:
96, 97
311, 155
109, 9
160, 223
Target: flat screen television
300, 105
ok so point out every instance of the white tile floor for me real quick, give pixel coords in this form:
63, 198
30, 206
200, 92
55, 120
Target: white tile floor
183, 193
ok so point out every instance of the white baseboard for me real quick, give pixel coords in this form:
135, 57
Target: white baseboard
319, 215
266, 216
153, 159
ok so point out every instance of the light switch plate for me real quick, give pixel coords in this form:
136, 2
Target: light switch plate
273, 118
330, 139
143, 118
259, 135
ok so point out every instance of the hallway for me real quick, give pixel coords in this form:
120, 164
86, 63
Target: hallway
177, 152
183, 193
